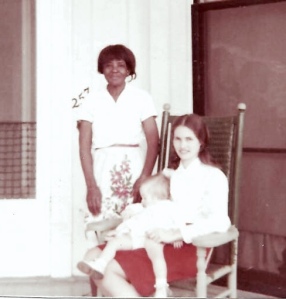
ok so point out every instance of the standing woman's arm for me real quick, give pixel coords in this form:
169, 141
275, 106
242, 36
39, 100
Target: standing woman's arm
152, 138
93, 196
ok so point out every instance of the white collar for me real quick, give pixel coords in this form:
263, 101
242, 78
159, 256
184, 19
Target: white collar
193, 165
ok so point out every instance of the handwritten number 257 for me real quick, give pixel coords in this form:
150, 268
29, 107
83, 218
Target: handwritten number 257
78, 101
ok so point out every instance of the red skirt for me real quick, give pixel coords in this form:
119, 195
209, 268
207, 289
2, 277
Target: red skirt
181, 264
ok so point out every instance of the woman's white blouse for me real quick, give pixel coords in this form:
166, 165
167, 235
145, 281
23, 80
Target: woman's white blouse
117, 121
201, 191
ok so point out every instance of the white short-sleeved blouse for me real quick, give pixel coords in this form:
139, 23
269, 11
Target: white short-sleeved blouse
117, 122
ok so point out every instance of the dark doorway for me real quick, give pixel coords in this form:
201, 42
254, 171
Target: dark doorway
239, 56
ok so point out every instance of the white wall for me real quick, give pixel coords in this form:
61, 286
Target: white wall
159, 33
70, 34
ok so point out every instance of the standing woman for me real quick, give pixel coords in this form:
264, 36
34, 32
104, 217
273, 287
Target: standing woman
201, 189
112, 124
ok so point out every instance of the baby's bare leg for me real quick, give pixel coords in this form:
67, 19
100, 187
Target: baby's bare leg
156, 255
96, 268
123, 242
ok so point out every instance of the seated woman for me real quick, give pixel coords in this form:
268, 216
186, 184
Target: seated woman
201, 189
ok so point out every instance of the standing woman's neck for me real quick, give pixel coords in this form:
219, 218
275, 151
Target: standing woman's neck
115, 91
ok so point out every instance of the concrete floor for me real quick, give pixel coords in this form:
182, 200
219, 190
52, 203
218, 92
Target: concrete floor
74, 287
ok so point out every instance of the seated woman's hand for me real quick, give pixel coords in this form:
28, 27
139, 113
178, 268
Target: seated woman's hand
161, 235
178, 244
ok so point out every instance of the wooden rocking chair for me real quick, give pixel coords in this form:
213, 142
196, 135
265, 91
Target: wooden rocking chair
226, 134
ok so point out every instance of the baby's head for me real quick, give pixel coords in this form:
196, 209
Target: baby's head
154, 188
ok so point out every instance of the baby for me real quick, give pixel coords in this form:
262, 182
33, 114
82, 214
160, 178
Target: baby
155, 211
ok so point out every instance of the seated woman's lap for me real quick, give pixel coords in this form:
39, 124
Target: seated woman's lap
181, 264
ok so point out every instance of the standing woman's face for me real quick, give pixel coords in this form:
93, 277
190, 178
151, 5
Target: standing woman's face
115, 72
186, 144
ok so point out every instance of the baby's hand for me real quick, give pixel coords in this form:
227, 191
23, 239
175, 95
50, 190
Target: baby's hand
178, 244
110, 235
131, 210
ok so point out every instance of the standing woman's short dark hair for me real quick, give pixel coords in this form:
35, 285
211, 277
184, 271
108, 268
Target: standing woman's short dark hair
117, 52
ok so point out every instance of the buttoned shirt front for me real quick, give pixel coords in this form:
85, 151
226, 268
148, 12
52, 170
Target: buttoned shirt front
201, 191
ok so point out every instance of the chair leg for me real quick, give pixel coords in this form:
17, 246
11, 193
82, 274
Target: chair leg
232, 283
201, 287
232, 277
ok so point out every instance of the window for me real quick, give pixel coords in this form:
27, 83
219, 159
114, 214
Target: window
17, 99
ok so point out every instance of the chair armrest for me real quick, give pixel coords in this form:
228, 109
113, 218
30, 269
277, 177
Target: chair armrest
216, 239
104, 225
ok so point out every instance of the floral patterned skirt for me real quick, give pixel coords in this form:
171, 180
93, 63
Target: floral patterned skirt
116, 170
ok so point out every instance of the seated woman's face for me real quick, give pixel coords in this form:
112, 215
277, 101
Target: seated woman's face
186, 144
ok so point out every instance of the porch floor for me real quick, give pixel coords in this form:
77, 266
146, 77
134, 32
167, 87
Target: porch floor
69, 287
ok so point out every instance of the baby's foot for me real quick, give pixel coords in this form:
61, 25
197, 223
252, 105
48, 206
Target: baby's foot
91, 269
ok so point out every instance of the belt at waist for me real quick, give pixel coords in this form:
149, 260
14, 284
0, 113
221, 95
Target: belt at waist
119, 145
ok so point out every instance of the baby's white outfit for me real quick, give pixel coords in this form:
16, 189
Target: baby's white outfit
162, 214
